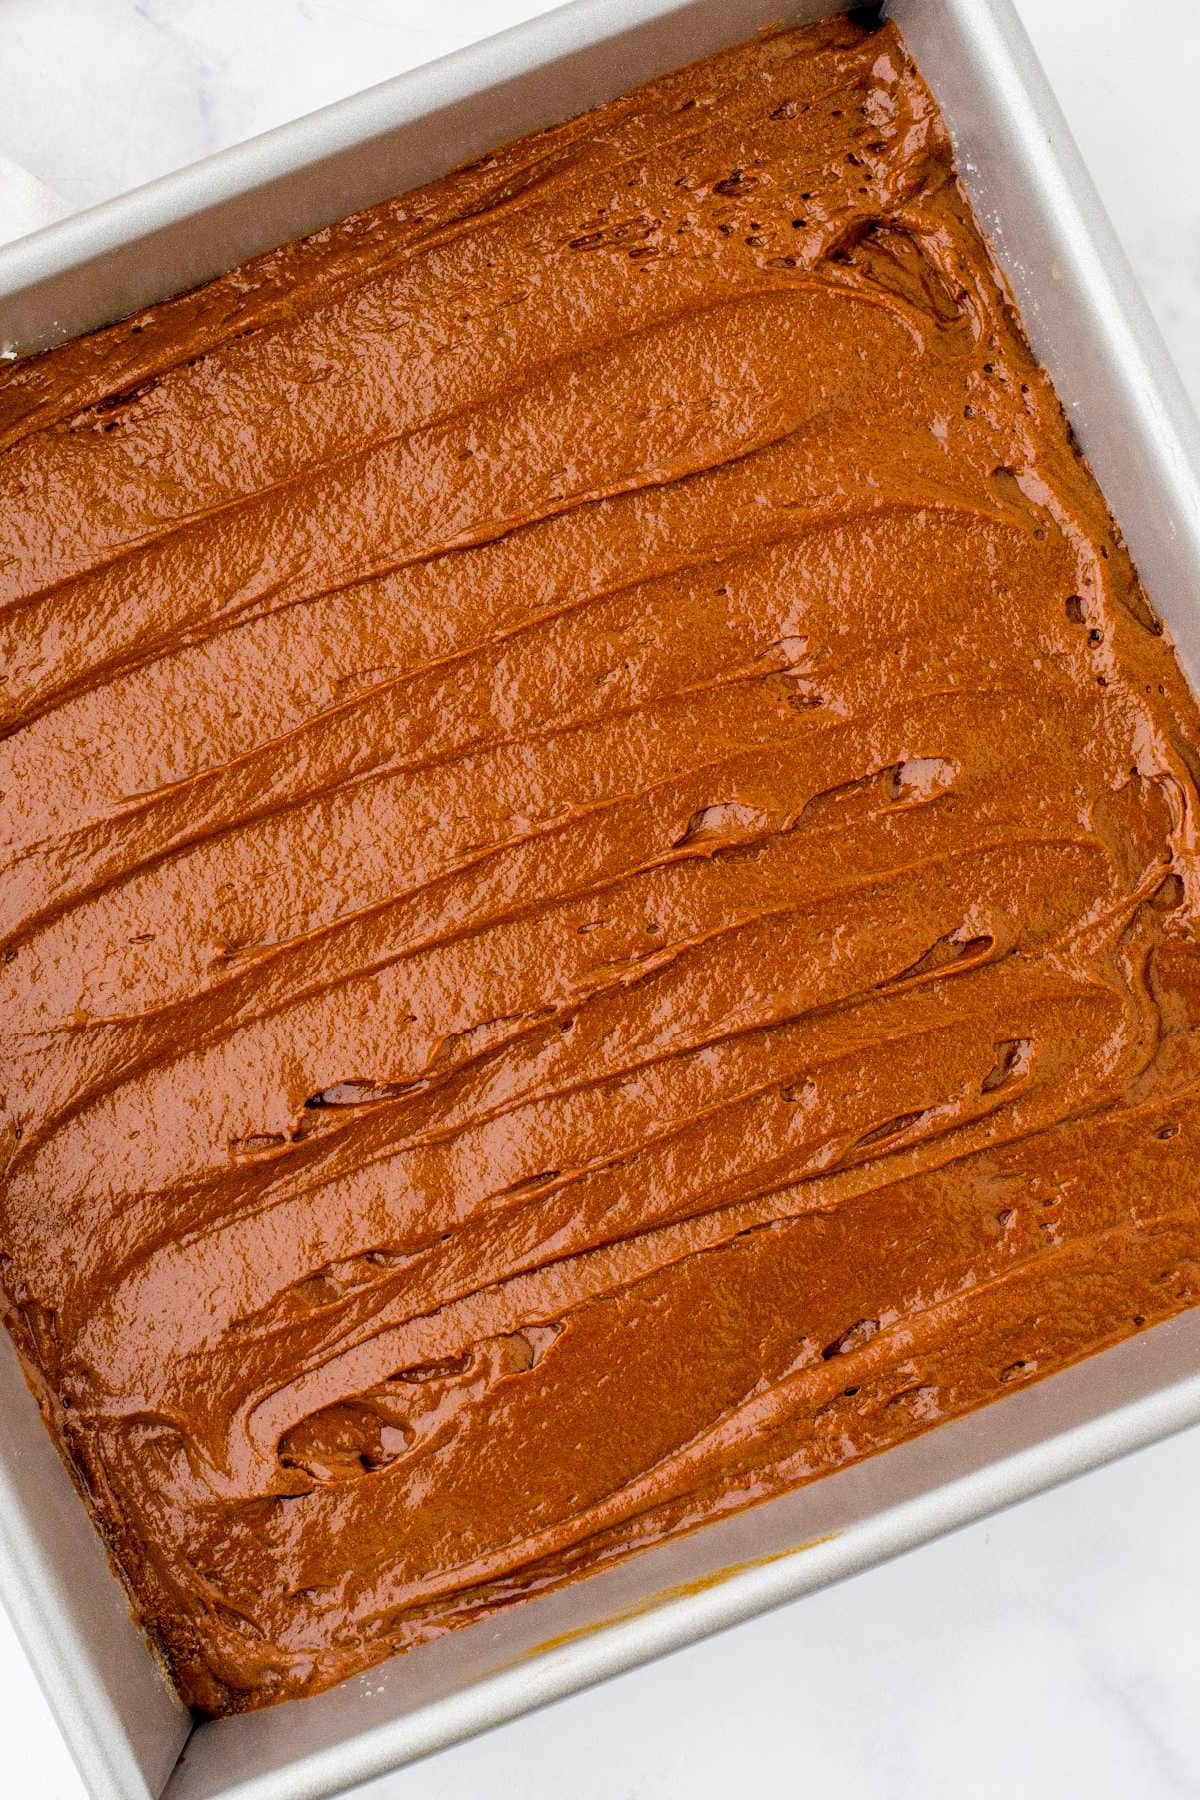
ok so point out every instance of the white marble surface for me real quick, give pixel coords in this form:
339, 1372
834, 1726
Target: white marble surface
1053, 1652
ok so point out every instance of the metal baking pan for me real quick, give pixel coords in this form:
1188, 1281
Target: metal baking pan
1091, 328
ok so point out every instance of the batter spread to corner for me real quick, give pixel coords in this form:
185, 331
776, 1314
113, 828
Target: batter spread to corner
600, 884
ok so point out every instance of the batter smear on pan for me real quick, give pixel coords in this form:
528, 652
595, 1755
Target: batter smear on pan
600, 889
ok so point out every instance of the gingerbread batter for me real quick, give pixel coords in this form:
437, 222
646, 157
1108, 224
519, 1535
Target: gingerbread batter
600, 890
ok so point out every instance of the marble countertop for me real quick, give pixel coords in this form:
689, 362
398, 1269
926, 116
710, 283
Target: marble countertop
1049, 1652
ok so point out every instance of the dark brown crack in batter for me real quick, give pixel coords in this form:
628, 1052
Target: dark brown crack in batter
600, 889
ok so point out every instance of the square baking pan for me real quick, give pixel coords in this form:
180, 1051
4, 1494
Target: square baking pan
130, 1736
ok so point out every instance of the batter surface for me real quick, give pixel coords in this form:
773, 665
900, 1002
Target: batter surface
599, 892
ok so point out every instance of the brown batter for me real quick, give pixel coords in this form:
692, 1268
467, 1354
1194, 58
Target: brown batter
601, 889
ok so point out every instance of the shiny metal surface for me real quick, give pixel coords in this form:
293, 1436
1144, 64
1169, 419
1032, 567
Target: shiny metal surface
1091, 328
